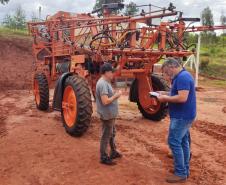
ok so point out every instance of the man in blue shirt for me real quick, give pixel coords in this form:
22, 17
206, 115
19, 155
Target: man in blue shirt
182, 110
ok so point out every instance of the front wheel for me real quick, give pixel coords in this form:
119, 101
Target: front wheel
76, 105
159, 111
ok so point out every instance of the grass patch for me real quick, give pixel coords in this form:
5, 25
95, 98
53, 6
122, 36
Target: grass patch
213, 83
7, 32
213, 61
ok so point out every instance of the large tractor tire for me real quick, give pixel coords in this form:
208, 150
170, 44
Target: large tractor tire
76, 105
41, 91
159, 112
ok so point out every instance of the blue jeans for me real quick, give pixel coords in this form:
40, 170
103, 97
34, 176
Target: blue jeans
179, 143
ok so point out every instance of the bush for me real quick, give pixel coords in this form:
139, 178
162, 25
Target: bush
204, 62
16, 21
205, 54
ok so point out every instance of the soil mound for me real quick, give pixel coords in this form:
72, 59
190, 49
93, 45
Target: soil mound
15, 62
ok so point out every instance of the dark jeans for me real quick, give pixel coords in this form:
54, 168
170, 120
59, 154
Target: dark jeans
108, 136
179, 143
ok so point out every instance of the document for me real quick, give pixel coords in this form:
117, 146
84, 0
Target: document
154, 94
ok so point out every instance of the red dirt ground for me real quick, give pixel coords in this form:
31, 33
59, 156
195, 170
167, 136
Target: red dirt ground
224, 110
15, 63
35, 149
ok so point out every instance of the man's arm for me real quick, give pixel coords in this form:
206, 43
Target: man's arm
180, 98
183, 88
106, 100
164, 92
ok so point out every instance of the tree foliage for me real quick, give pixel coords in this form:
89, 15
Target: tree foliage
207, 20
99, 3
131, 9
17, 20
223, 20
4, 1
207, 17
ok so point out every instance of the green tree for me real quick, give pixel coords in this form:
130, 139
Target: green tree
131, 9
99, 3
16, 21
20, 18
207, 17
223, 21
207, 20
8, 22
4, 1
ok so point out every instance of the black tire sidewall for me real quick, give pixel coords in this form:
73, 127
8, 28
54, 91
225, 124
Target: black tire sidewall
79, 126
43, 91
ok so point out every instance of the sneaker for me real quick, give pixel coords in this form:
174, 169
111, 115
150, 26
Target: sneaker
175, 179
107, 161
115, 154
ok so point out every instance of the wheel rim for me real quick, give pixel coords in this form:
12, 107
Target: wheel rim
69, 106
152, 109
36, 92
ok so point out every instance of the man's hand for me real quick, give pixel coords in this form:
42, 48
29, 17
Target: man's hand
106, 100
118, 94
180, 98
162, 98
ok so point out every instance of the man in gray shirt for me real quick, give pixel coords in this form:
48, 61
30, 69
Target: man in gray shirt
107, 108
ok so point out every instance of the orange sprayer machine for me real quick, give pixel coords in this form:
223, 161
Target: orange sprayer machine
69, 50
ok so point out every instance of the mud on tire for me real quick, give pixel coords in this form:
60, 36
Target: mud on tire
76, 119
159, 84
41, 91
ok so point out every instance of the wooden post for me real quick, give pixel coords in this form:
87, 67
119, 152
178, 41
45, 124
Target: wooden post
197, 61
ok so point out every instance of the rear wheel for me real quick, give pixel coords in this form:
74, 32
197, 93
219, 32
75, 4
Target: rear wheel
41, 91
158, 111
76, 105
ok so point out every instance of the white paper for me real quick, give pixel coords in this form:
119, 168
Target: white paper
154, 94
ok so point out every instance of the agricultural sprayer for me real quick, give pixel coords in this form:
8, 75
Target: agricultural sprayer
69, 50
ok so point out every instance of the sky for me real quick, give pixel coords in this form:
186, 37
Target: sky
191, 8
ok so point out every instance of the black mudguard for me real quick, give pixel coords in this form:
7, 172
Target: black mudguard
58, 92
133, 93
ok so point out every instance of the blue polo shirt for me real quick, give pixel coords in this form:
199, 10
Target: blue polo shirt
183, 81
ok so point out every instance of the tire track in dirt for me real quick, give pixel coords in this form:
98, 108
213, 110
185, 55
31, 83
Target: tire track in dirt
201, 173
132, 136
204, 171
3, 130
152, 143
216, 131
11, 104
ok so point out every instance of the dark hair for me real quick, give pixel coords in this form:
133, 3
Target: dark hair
171, 62
105, 68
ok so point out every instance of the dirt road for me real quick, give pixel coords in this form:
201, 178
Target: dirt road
35, 150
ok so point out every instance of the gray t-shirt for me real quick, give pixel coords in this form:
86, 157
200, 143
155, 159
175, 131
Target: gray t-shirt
109, 111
